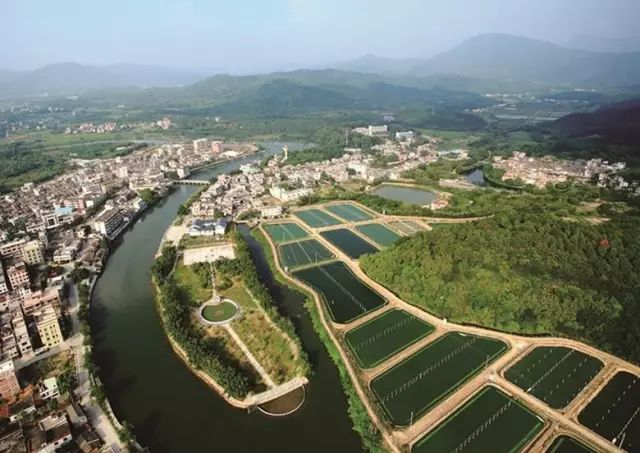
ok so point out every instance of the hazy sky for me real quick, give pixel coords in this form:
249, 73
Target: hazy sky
258, 35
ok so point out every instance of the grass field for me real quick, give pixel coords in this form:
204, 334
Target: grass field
615, 412
406, 226
345, 296
554, 375
316, 218
300, 253
349, 212
419, 383
221, 312
282, 232
384, 336
380, 234
566, 444
189, 282
349, 242
489, 422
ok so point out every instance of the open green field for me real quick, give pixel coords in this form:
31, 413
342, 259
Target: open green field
615, 412
345, 295
282, 232
384, 336
490, 422
300, 253
378, 233
566, 444
349, 212
422, 381
218, 313
349, 242
554, 375
406, 226
316, 218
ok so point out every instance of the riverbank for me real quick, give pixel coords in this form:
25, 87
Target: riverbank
362, 415
148, 384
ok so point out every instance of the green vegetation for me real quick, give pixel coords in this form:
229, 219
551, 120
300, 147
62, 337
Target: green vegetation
244, 266
362, 423
194, 281
330, 143
221, 312
490, 421
384, 336
203, 352
417, 384
38, 158
554, 375
527, 269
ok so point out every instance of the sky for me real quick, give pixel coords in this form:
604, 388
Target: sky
251, 36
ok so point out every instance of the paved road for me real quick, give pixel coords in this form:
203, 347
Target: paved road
96, 415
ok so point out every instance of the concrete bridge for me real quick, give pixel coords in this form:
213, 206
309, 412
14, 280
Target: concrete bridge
197, 182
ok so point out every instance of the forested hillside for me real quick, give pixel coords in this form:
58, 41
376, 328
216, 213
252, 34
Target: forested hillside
526, 270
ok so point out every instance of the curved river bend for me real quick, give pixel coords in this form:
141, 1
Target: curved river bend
171, 409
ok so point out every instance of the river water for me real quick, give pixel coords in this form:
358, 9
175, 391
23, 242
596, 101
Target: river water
148, 385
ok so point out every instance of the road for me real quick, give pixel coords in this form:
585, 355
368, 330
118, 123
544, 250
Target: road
558, 421
97, 418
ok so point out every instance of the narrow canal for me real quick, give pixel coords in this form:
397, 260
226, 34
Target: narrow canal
174, 411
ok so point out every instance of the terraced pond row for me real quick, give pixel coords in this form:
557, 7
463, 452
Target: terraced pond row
349, 212
554, 375
379, 234
419, 383
282, 232
345, 295
349, 242
316, 218
301, 253
384, 336
614, 413
490, 422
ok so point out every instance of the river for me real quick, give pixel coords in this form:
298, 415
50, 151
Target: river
148, 385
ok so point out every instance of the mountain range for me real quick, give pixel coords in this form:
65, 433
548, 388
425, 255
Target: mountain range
479, 64
74, 78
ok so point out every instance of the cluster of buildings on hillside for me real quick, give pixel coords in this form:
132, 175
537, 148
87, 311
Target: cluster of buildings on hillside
29, 314
106, 189
540, 171
31, 324
111, 126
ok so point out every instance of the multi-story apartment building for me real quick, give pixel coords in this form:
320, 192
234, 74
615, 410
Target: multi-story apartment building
32, 253
108, 222
37, 300
48, 327
18, 276
12, 249
21, 334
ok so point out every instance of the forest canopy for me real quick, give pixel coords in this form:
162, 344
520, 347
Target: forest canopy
526, 270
